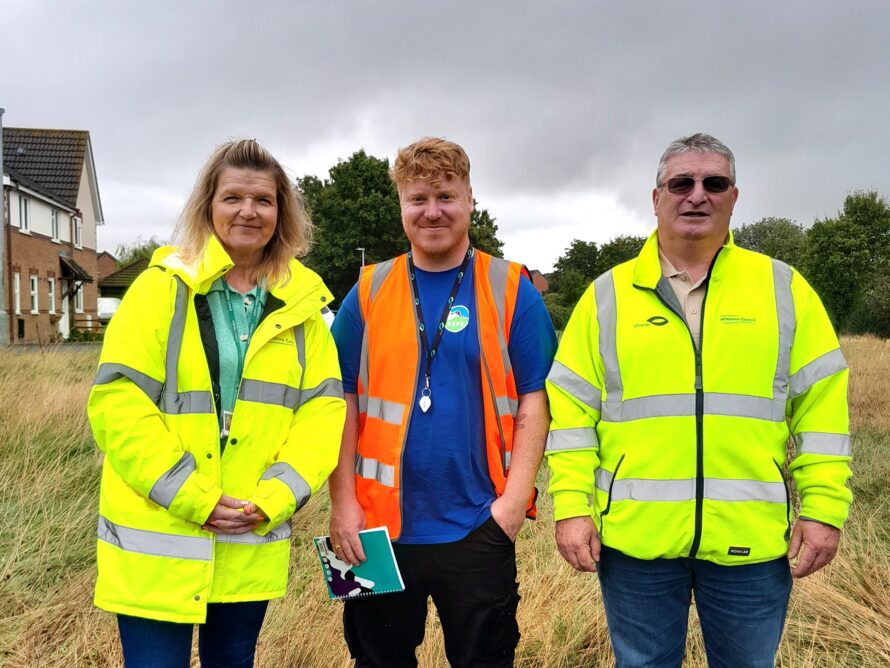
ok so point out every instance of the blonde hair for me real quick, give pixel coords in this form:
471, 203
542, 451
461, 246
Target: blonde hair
430, 158
293, 232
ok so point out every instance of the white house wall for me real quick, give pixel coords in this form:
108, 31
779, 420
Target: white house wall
40, 217
85, 204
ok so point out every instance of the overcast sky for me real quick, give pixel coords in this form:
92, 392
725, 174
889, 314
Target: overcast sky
563, 107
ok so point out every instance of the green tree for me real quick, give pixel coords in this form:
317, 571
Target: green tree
580, 257
837, 263
870, 212
484, 232
355, 207
780, 238
848, 263
141, 248
618, 250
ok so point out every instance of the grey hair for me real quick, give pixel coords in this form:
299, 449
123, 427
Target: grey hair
698, 143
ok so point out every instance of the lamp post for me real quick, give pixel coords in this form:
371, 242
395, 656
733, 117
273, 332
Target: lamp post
360, 248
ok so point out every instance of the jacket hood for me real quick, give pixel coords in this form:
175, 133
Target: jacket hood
214, 262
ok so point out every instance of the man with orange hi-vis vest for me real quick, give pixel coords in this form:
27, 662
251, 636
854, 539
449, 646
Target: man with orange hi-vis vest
444, 353
679, 380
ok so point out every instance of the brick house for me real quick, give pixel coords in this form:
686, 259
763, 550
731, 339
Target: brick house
539, 281
106, 264
52, 210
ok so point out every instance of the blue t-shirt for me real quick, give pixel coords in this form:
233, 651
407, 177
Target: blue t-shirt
446, 491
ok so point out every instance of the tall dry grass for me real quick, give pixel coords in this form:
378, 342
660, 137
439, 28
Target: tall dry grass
49, 471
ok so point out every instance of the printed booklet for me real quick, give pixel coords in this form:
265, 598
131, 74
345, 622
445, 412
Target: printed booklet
379, 574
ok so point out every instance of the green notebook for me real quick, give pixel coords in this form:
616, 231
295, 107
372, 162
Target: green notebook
379, 574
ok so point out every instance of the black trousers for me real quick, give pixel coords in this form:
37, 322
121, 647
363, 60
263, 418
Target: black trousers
472, 583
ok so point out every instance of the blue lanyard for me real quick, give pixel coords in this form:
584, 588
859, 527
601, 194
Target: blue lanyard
429, 350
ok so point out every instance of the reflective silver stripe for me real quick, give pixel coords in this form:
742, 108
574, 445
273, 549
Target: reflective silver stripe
603, 479
821, 443
285, 473
155, 543
744, 405
787, 324
683, 405
498, 270
371, 469
715, 489
169, 484
363, 372
111, 372
281, 532
174, 340
584, 391
264, 392
577, 438
607, 318
388, 411
820, 368
180, 403
171, 400
508, 456
728, 489
660, 405
330, 387
381, 271
507, 406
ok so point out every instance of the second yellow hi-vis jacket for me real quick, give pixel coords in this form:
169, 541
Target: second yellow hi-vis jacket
153, 410
677, 452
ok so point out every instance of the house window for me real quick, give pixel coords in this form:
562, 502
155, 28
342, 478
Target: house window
17, 292
78, 232
55, 224
51, 294
78, 299
24, 214
35, 284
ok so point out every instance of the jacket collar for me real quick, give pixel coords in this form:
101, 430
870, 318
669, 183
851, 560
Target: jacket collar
304, 291
647, 268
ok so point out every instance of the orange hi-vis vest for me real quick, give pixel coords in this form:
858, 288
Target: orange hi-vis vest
391, 366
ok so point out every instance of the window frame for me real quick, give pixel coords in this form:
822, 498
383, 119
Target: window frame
17, 292
34, 292
55, 226
78, 299
51, 294
77, 232
24, 213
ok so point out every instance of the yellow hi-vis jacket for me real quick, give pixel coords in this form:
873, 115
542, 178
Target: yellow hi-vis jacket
680, 453
153, 410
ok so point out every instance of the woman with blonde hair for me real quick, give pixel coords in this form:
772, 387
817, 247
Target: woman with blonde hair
219, 408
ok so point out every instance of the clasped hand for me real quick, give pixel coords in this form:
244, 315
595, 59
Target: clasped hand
233, 516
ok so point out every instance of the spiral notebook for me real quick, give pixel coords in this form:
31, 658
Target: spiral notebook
379, 574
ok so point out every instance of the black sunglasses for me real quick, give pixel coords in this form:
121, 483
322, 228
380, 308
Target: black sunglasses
683, 185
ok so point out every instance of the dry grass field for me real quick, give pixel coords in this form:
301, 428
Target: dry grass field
49, 470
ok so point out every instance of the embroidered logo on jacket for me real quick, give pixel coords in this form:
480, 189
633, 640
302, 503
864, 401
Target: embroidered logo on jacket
657, 320
736, 320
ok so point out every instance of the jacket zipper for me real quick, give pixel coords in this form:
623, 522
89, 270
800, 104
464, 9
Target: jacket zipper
699, 408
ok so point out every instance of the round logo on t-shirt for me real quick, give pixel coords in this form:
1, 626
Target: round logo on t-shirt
458, 318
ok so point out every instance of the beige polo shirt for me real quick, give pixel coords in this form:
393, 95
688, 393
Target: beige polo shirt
690, 295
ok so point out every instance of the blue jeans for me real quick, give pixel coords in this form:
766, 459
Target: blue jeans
741, 609
226, 640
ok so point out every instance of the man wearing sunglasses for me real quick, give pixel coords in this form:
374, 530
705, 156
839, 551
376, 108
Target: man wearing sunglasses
677, 384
